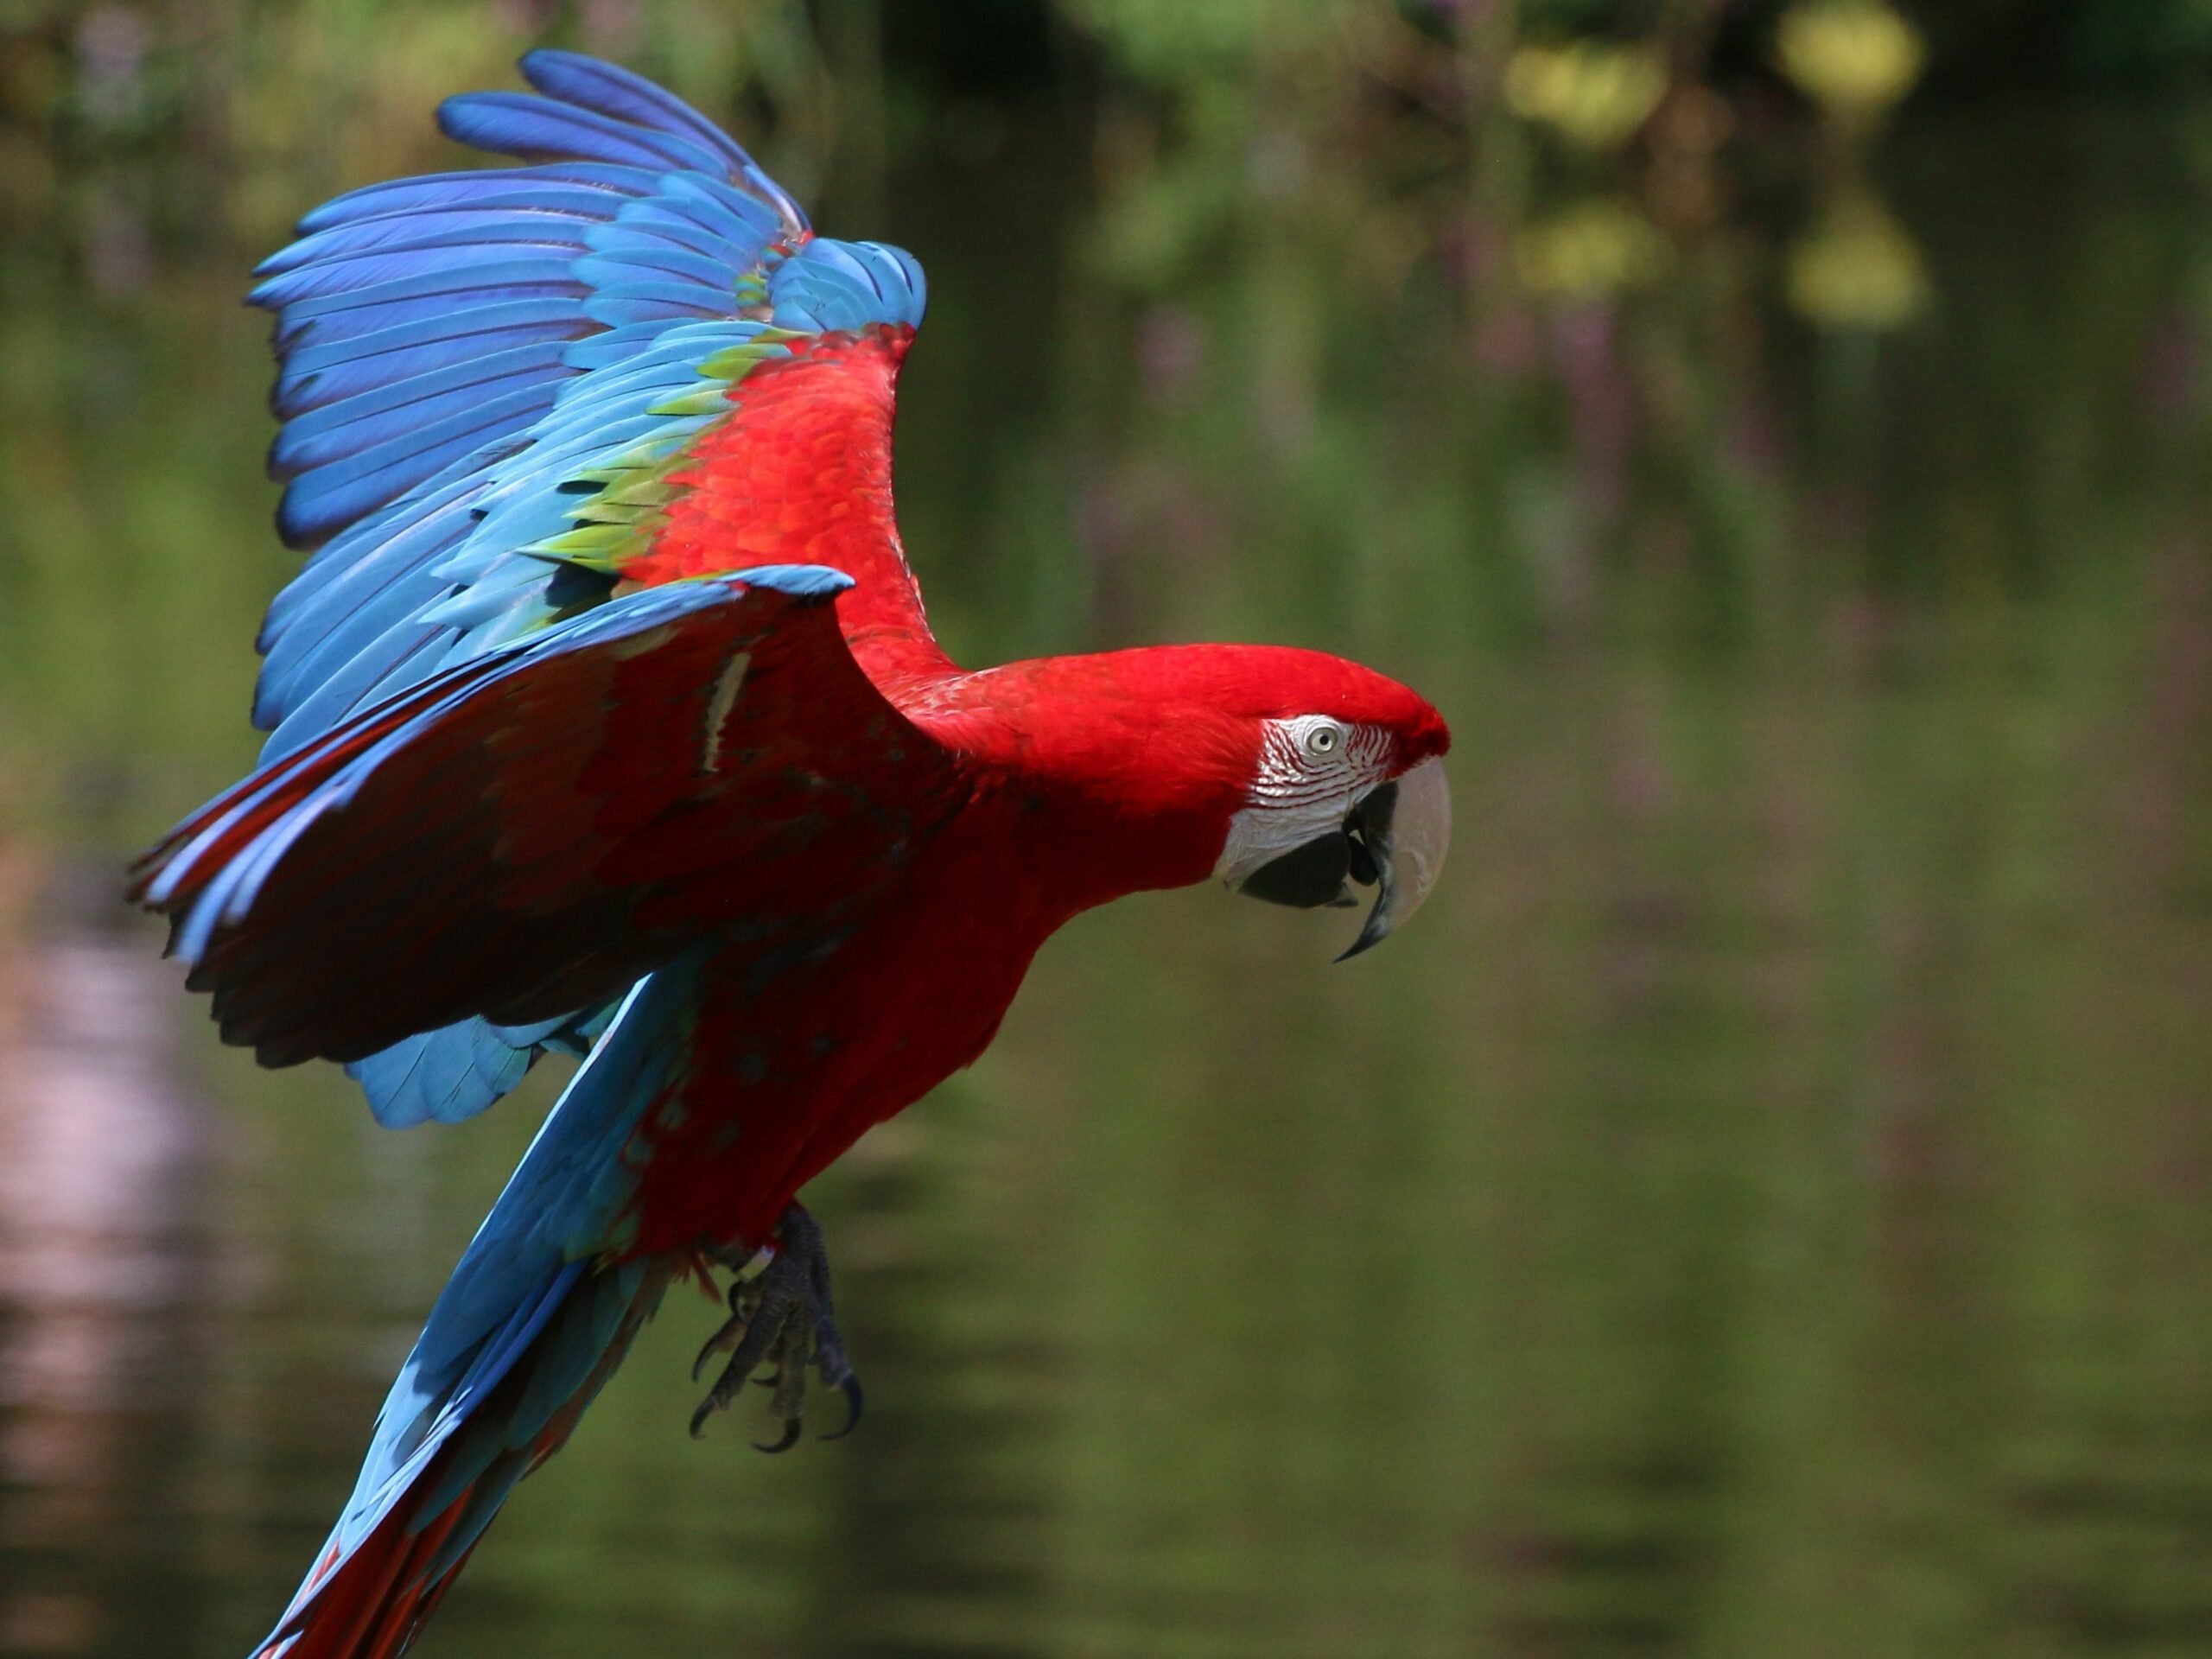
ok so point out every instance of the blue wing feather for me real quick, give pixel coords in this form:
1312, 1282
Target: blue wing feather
401, 273
550, 184
611, 90
358, 570
453, 227
417, 397
465, 358
518, 124
323, 499
398, 658
656, 260
300, 295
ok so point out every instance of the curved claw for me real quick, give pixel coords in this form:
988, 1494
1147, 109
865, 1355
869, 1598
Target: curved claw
714, 1346
781, 1318
785, 1441
849, 1386
723, 1341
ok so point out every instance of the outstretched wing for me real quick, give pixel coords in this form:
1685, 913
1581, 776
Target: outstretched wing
506, 393
532, 829
499, 388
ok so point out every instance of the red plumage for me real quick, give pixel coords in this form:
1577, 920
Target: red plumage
810, 857
546, 837
800, 473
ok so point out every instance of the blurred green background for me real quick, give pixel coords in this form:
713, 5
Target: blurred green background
1763, 1207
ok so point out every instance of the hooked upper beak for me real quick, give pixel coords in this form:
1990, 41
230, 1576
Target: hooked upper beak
1394, 840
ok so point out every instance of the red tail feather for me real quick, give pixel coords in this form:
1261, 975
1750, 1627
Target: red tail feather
372, 1604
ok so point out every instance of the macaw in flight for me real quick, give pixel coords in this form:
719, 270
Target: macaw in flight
604, 718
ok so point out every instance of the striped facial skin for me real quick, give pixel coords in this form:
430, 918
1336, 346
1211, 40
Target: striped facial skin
1312, 771
1326, 814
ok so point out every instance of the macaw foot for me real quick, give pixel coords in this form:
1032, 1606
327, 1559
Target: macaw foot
781, 1316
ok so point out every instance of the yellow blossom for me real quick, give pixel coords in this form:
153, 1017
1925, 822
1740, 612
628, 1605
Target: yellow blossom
1853, 58
1594, 249
1597, 95
1857, 269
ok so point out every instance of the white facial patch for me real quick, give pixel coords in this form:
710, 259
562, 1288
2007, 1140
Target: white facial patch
1312, 769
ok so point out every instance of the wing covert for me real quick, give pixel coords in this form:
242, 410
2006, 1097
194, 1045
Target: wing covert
530, 831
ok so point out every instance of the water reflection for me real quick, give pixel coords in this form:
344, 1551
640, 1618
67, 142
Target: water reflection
1760, 1208
104, 1261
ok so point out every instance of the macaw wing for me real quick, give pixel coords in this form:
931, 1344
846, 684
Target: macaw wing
530, 830
505, 392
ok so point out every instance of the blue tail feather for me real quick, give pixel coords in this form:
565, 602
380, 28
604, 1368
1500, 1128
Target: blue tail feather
529, 1326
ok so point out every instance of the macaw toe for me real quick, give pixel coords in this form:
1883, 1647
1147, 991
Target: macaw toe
782, 1316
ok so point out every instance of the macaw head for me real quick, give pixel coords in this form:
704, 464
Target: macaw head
1346, 791
1291, 776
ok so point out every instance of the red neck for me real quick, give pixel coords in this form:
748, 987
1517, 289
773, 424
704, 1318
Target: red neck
1105, 777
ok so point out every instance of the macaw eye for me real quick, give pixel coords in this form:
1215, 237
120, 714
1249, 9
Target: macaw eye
1323, 740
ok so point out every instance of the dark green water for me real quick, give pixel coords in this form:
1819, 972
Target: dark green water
1763, 1207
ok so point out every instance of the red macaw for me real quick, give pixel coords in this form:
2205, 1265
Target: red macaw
606, 719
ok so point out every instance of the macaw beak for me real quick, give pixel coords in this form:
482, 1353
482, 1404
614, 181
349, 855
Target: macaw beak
1403, 828
1394, 840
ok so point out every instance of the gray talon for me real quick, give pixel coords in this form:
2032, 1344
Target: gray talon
849, 1386
722, 1342
782, 1442
781, 1317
